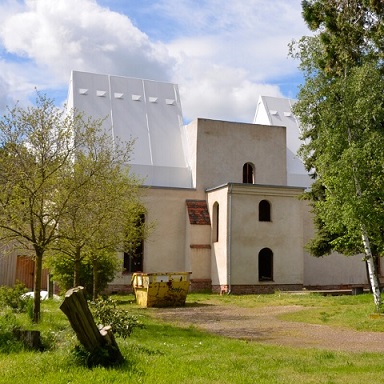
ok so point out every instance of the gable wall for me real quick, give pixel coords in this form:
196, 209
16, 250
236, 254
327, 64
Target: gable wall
222, 148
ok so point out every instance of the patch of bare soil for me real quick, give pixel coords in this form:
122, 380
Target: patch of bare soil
264, 326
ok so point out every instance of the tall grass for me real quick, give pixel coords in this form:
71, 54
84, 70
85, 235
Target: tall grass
163, 353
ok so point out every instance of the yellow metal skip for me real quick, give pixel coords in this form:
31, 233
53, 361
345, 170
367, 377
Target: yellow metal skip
161, 289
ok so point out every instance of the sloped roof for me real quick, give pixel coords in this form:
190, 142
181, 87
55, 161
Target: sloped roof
144, 110
278, 111
198, 212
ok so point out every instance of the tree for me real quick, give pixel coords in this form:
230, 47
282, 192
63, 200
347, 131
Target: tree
343, 124
40, 149
100, 219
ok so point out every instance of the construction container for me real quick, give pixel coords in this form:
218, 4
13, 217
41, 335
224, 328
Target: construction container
161, 289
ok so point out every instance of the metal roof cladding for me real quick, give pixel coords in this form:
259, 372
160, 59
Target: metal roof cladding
145, 110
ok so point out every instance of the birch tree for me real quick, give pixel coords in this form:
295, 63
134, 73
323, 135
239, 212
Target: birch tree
340, 108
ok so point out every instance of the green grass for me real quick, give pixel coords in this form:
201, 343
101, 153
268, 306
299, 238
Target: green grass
353, 312
163, 353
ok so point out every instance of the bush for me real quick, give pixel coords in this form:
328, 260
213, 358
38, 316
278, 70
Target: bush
14, 298
106, 312
8, 329
62, 267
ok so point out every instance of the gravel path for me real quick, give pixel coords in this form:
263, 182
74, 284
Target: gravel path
264, 326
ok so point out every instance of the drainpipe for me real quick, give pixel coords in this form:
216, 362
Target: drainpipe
229, 239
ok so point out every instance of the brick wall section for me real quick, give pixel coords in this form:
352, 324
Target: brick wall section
334, 287
118, 288
200, 246
198, 212
201, 285
251, 289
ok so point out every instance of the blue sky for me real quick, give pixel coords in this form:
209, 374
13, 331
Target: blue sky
223, 54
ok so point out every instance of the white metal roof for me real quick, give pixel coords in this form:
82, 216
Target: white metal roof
147, 111
278, 111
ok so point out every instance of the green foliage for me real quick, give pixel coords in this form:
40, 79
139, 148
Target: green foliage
65, 189
106, 356
342, 122
107, 313
14, 298
8, 327
341, 112
62, 268
349, 32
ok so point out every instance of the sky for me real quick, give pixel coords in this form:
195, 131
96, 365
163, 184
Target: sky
223, 54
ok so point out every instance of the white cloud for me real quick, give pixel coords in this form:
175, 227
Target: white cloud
78, 34
252, 35
222, 93
223, 54
231, 52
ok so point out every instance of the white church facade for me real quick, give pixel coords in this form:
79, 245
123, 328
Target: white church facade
224, 196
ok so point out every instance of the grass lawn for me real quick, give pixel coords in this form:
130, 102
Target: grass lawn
162, 353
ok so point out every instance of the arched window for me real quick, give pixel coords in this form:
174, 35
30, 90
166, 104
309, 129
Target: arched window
215, 222
264, 210
248, 173
265, 265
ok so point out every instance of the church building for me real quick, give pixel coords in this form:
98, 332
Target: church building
224, 196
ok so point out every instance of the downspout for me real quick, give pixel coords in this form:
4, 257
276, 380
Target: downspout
229, 239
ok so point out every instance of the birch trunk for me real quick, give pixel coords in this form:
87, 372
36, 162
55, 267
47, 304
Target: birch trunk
367, 246
371, 270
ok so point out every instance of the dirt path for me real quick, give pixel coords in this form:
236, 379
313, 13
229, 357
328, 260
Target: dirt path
263, 325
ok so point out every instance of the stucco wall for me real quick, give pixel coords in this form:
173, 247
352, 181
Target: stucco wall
165, 248
198, 250
283, 235
333, 270
219, 270
223, 148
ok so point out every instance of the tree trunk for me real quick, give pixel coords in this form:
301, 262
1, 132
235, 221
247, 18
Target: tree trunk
37, 285
371, 270
101, 344
30, 339
367, 246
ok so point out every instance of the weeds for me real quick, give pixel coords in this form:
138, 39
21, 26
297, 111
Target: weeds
8, 329
107, 313
14, 298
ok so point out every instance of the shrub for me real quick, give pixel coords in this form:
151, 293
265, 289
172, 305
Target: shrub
62, 268
14, 298
107, 313
8, 329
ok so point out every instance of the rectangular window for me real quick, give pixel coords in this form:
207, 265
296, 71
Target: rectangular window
133, 261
